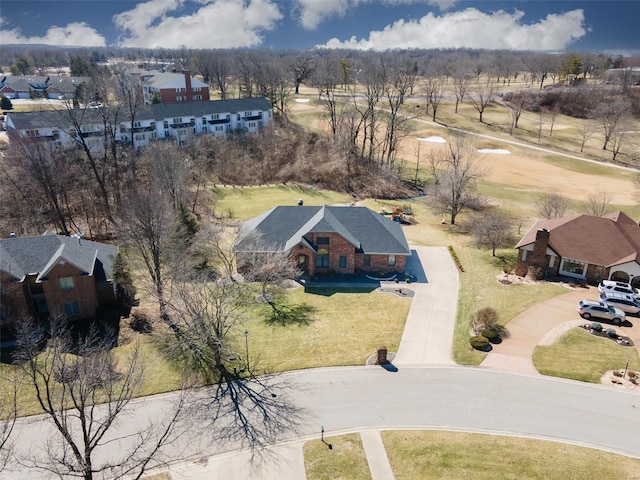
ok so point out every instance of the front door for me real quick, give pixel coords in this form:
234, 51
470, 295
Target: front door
302, 263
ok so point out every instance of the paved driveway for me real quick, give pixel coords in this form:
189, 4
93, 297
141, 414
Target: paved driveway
530, 327
428, 331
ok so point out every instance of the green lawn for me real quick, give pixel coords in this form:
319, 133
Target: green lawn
344, 329
345, 461
453, 455
243, 203
581, 356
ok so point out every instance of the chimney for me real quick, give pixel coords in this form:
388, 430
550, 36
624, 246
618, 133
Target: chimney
187, 82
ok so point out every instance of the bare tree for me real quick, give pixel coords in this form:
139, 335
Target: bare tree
8, 416
458, 172
273, 83
610, 115
220, 69
36, 163
85, 395
553, 116
517, 104
597, 204
461, 85
482, 97
302, 67
587, 130
147, 227
246, 74
552, 205
434, 92
326, 79
241, 406
492, 230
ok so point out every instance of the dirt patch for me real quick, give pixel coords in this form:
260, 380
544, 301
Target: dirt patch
511, 279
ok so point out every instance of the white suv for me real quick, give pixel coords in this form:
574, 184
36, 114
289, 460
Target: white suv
609, 286
622, 301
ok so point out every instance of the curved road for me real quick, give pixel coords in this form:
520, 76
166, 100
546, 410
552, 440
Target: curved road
451, 398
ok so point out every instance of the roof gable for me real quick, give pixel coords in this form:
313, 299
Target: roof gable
281, 228
605, 241
22, 256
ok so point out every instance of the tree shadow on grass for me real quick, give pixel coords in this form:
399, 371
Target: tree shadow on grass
284, 315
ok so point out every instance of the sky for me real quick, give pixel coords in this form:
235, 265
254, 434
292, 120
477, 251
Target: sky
610, 26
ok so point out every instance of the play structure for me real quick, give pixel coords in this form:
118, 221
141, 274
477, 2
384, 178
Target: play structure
403, 214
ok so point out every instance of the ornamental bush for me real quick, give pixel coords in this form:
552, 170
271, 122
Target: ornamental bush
490, 332
479, 342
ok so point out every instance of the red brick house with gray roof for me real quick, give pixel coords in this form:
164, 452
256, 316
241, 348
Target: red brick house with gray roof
54, 273
327, 239
582, 247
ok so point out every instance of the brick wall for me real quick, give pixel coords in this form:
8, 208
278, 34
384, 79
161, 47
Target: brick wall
84, 291
380, 263
337, 247
13, 301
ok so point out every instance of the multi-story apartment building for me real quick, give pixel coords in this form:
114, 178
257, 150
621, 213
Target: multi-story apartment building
178, 121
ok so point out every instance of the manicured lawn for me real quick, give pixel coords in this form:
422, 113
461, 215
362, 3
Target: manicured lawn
344, 328
345, 461
243, 203
581, 356
479, 288
453, 455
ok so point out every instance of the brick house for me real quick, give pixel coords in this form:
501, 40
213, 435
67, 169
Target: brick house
54, 273
582, 247
324, 239
171, 87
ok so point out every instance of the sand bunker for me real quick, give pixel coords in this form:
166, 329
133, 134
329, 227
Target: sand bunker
499, 151
433, 139
302, 100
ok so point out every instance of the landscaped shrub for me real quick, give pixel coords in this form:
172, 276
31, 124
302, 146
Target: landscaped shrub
479, 342
484, 318
490, 333
596, 326
455, 258
611, 332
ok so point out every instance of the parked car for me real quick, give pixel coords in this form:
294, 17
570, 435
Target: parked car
623, 301
595, 308
620, 287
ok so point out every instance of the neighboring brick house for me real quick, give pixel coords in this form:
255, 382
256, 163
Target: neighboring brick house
54, 273
583, 247
170, 87
325, 239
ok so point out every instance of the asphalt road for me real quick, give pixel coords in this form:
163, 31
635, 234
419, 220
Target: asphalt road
449, 398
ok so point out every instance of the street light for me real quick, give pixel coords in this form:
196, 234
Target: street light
322, 438
246, 346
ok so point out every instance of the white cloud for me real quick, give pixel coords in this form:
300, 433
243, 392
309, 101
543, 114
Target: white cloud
215, 24
471, 28
72, 35
311, 13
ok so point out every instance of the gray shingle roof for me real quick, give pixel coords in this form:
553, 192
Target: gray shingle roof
21, 256
60, 118
283, 227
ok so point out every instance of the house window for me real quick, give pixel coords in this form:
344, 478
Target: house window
71, 308
178, 90
322, 260
178, 98
177, 120
524, 256
573, 267
322, 241
367, 260
552, 261
219, 128
343, 261
392, 260
153, 125
66, 283
215, 116
197, 97
137, 124
165, 124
